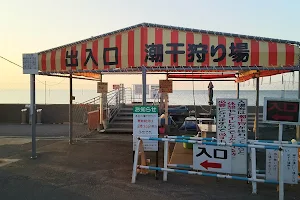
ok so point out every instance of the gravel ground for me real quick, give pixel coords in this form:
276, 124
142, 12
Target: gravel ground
101, 169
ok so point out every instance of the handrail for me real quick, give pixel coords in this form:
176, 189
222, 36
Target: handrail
112, 102
97, 98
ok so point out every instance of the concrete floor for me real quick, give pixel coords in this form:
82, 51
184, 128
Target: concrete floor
43, 130
100, 168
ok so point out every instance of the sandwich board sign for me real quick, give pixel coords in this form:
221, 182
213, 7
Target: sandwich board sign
281, 111
232, 127
212, 158
145, 124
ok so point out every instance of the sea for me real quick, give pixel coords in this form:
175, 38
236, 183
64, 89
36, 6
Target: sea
178, 97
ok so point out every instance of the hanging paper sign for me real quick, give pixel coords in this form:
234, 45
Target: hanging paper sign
290, 164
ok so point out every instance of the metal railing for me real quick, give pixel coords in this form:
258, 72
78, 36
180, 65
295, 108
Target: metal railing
115, 101
112, 102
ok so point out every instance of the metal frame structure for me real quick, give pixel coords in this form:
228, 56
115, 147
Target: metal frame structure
144, 70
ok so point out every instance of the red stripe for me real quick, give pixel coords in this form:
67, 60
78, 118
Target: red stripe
63, 59
290, 55
254, 53
189, 40
106, 45
205, 41
95, 53
131, 48
174, 39
200, 76
73, 48
144, 41
52, 61
44, 68
222, 40
83, 56
237, 40
272, 54
119, 46
158, 40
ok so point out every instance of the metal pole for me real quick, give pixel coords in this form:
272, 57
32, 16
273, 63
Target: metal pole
33, 115
257, 110
166, 160
298, 127
253, 170
238, 89
45, 92
101, 111
281, 175
281, 166
71, 111
144, 73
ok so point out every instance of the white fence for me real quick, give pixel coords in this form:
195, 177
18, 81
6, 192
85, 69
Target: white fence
251, 146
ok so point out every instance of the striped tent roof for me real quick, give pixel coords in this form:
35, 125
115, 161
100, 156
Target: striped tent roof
169, 48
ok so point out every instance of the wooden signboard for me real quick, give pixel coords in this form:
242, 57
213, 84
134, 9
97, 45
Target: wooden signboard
165, 86
101, 87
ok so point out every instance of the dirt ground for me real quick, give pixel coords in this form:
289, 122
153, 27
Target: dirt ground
101, 168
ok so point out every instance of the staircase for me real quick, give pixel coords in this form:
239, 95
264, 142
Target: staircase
122, 122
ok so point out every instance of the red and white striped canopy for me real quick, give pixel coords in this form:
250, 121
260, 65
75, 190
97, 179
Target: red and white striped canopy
157, 46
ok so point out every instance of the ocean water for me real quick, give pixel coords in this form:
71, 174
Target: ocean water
178, 97
201, 96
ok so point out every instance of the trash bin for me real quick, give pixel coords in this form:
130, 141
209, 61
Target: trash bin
24, 116
39, 116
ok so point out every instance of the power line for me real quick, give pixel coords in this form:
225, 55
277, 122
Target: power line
35, 77
11, 62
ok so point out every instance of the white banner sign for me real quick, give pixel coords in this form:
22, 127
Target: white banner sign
145, 124
154, 92
232, 127
290, 163
212, 158
138, 89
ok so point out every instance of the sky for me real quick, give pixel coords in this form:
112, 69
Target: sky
35, 25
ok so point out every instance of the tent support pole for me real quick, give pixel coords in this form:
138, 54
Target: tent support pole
238, 89
33, 115
257, 110
71, 110
144, 82
298, 127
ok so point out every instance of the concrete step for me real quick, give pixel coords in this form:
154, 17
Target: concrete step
124, 118
119, 130
121, 125
126, 109
125, 113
